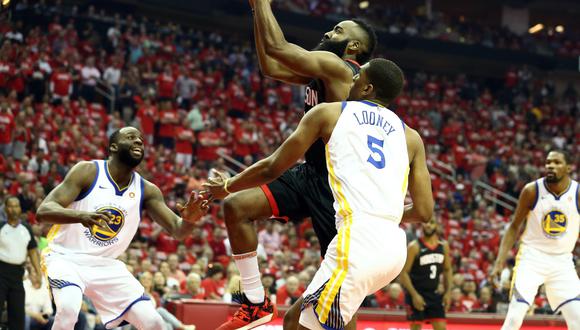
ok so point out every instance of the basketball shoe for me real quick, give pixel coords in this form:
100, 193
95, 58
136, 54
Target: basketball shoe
250, 315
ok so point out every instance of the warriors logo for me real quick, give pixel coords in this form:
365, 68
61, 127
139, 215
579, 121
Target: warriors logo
554, 224
113, 227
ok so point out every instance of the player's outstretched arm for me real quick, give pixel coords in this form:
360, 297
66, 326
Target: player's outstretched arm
53, 208
317, 122
419, 181
405, 278
178, 227
525, 204
272, 68
311, 64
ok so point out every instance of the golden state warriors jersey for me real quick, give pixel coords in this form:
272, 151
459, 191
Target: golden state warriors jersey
368, 163
103, 195
553, 223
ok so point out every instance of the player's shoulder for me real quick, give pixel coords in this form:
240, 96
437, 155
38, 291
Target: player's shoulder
150, 189
414, 245
85, 171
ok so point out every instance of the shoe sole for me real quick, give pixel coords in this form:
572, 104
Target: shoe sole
258, 322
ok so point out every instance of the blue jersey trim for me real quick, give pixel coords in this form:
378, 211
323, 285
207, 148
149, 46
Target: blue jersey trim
86, 193
557, 197
372, 104
343, 106
577, 191
118, 191
142, 198
565, 302
142, 298
537, 196
403, 123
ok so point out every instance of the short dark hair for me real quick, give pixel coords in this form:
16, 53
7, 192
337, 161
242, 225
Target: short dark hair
387, 79
564, 153
114, 138
364, 57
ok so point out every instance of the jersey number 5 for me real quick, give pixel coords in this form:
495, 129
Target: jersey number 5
376, 147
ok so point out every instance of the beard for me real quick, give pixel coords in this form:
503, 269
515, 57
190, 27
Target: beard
553, 178
336, 47
128, 159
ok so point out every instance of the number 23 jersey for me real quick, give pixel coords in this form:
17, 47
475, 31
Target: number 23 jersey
104, 195
368, 163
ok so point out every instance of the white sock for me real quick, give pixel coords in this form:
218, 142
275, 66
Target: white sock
250, 273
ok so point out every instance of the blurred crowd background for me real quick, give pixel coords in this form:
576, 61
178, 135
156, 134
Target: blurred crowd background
200, 100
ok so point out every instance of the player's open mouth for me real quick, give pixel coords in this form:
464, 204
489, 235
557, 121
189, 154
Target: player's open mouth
137, 152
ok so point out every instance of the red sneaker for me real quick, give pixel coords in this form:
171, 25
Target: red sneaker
250, 315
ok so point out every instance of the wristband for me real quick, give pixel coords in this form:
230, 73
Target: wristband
226, 186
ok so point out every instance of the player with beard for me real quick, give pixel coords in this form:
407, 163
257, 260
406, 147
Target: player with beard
303, 191
550, 207
96, 212
427, 258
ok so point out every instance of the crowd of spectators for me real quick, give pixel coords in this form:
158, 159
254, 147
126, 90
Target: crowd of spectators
419, 22
197, 95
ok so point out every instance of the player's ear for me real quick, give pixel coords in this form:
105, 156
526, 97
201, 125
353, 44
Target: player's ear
353, 46
369, 89
113, 148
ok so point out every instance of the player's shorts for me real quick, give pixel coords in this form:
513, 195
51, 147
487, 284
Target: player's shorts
302, 192
107, 282
556, 271
434, 310
363, 257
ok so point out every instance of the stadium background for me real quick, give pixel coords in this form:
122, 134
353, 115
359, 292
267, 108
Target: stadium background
488, 96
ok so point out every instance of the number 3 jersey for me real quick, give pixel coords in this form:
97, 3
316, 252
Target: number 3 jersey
553, 223
103, 195
427, 267
367, 162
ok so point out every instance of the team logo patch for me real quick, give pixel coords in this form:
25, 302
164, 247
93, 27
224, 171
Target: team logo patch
554, 224
113, 227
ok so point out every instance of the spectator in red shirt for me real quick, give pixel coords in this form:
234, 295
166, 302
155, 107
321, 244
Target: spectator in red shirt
457, 301
209, 141
7, 127
168, 121
213, 284
184, 140
61, 83
166, 85
147, 116
288, 293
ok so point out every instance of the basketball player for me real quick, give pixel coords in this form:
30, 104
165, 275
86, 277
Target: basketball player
371, 156
550, 207
302, 191
427, 258
96, 211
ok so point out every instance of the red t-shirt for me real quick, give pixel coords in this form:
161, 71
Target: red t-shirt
62, 82
210, 286
147, 115
167, 129
285, 298
6, 128
207, 152
183, 140
166, 84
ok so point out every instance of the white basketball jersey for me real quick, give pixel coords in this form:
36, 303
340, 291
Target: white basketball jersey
103, 195
368, 163
553, 223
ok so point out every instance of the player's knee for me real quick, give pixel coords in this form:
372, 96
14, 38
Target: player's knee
67, 316
151, 321
233, 208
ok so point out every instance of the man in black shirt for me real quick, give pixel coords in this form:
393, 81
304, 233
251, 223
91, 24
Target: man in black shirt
16, 243
303, 191
427, 258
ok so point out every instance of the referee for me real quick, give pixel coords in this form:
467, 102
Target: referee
16, 242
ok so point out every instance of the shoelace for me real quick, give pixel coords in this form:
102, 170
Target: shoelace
243, 313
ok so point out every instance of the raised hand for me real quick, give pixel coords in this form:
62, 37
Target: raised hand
216, 186
197, 206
